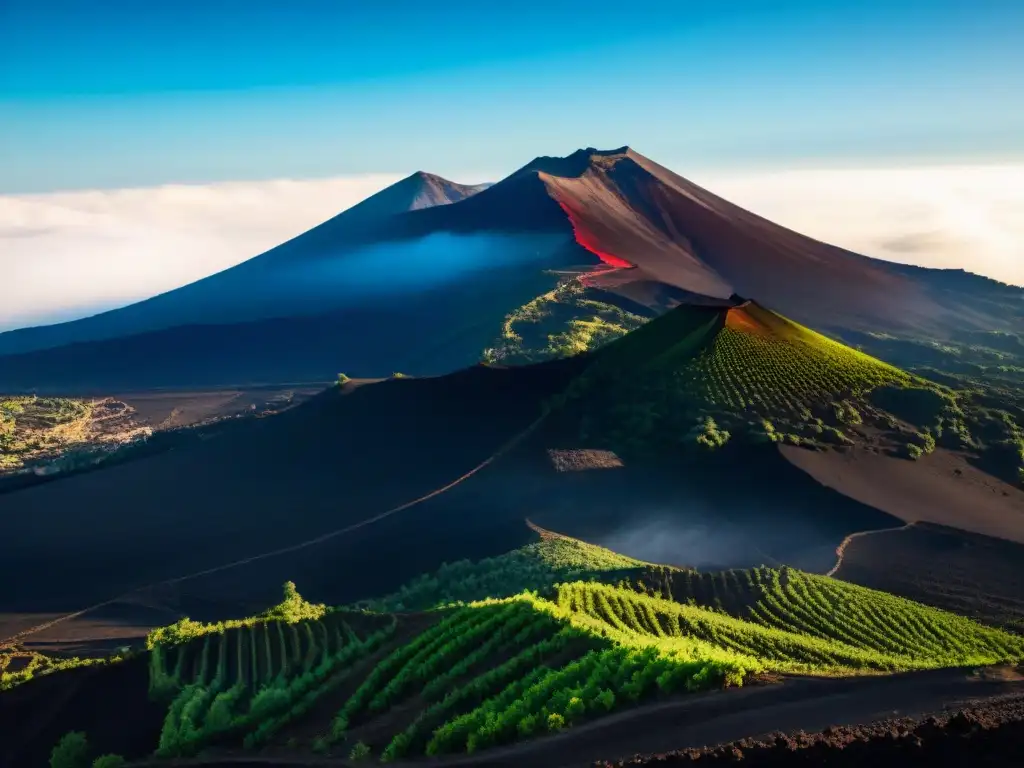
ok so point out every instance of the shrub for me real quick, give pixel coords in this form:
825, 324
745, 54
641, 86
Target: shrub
709, 435
397, 375
555, 722
321, 744
72, 751
343, 379
108, 761
914, 451
925, 442
359, 752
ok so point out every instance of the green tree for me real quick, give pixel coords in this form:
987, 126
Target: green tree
72, 751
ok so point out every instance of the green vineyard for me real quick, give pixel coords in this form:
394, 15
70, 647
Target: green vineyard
706, 374
588, 633
555, 558
821, 607
244, 680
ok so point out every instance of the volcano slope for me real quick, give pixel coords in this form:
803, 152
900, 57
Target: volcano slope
582, 644
690, 404
705, 389
702, 374
426, 273
357, 451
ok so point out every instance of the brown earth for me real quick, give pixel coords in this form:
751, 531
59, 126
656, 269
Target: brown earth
942, 488
164, 410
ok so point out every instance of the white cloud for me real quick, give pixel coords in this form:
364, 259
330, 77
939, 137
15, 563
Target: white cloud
69, 254
940, 216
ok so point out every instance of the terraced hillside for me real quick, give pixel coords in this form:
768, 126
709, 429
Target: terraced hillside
499, 671
706, 374
587, 633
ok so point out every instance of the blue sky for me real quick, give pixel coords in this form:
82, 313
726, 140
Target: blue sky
124, 93
148, 143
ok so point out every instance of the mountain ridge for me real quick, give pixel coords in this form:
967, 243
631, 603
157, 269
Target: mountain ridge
614, 218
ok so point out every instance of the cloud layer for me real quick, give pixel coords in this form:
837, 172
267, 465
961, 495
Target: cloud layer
949, 216
69, 254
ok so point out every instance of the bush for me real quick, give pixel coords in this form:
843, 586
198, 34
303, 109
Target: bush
709, 435
397, 375
108, 761
343, 379
72, 751
359, 752
914, 452
925, 441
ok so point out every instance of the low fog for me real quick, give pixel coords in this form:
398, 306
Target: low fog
395, 269
309, 279
709, 541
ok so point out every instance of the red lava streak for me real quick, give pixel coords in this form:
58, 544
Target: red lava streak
588, 241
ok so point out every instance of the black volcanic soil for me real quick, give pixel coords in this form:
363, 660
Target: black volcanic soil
966, 573
848, 709
110, 704
349, 455
337, 459
980, 734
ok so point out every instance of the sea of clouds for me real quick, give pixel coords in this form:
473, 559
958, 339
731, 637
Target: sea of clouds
69, 254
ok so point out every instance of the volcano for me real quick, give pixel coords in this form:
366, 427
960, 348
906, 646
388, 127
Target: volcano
422, 275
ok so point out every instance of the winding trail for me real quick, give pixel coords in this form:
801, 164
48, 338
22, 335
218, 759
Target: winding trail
501, 451
841, 549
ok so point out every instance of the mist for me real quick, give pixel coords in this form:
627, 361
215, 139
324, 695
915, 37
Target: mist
395, 269
706, 540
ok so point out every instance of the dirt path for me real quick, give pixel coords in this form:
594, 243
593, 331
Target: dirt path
694, 721
502, 450
841, 549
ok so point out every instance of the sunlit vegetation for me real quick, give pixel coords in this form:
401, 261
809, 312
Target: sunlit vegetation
32, 427
532, 642
244, 680
705, 376
291, 609
563, 322
487, 673
343, 379
537, 566
17, 667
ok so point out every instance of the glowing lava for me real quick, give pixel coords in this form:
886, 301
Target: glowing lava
588, 241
